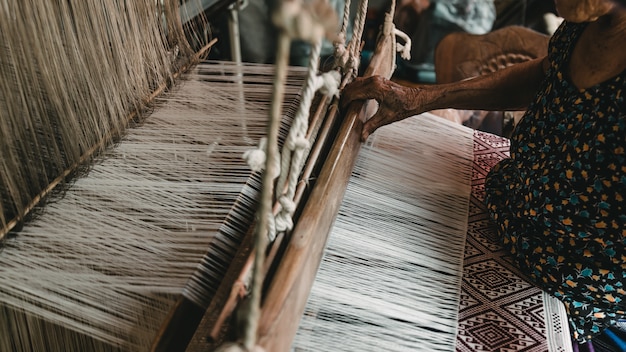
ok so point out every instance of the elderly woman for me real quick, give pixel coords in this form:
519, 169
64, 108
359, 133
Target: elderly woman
559, 201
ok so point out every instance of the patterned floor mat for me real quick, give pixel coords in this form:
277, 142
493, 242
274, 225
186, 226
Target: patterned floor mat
499, 310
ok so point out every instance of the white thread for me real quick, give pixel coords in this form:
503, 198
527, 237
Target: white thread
404, 50
341, 52
255, 158
111, 258
297, 145
331, 81
351, 65
392, 270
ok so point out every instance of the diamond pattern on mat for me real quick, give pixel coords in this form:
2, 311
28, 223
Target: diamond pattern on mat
485, 234
467, 300
499, 310
492, 280
471, 250
489, 331
478, 190
530, 310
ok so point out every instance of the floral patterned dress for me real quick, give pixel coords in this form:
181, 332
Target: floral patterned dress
559, 201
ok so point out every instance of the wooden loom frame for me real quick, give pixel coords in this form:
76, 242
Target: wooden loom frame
288, 289
287, 292
291, 283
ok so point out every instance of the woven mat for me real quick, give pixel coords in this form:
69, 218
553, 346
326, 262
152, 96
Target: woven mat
499, 310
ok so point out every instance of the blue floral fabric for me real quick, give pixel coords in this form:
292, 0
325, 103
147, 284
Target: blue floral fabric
559, 201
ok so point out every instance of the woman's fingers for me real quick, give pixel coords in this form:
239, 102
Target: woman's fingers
382, 117
390, 96
370, 126
363, 89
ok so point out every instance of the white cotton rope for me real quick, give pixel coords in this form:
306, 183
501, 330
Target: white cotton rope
100, 268
341, 53
297, 146
403, 49
352, 60
264, 212
256, 158
391, 275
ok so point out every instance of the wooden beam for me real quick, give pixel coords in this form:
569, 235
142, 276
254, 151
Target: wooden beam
290, 287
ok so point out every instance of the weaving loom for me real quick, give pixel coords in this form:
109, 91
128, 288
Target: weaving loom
161, 227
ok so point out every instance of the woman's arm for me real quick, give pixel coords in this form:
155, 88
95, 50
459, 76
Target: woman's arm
511, 88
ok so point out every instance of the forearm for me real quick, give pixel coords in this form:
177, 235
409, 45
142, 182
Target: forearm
512, 88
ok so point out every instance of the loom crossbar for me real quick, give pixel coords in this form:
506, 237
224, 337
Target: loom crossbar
291, 283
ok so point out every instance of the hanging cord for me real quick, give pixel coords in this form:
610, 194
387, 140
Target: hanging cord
293, 21
354, 48
389, 29
341, 53
297, 146
264, 213
403, 49
265, 157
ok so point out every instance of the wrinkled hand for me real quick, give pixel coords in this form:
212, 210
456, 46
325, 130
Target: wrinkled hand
395, 102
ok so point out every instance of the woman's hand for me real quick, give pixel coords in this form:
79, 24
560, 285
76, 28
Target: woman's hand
395, 102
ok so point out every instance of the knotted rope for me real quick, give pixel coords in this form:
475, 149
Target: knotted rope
295, 22
296, 146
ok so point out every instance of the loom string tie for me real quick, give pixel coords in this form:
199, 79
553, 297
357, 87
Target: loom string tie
272, 229
284, 219
264, 228
403, 49
297, 145
294, 20
389, 29
352, 66
330, 85
255, 158
341, 51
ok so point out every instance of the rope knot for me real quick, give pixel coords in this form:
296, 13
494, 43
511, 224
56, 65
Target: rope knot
309, 21
287, 204
404, 50
284, 222
256, 157
297, 142
331, 81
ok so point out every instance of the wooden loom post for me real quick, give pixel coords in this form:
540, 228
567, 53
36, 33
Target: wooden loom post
290, 287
